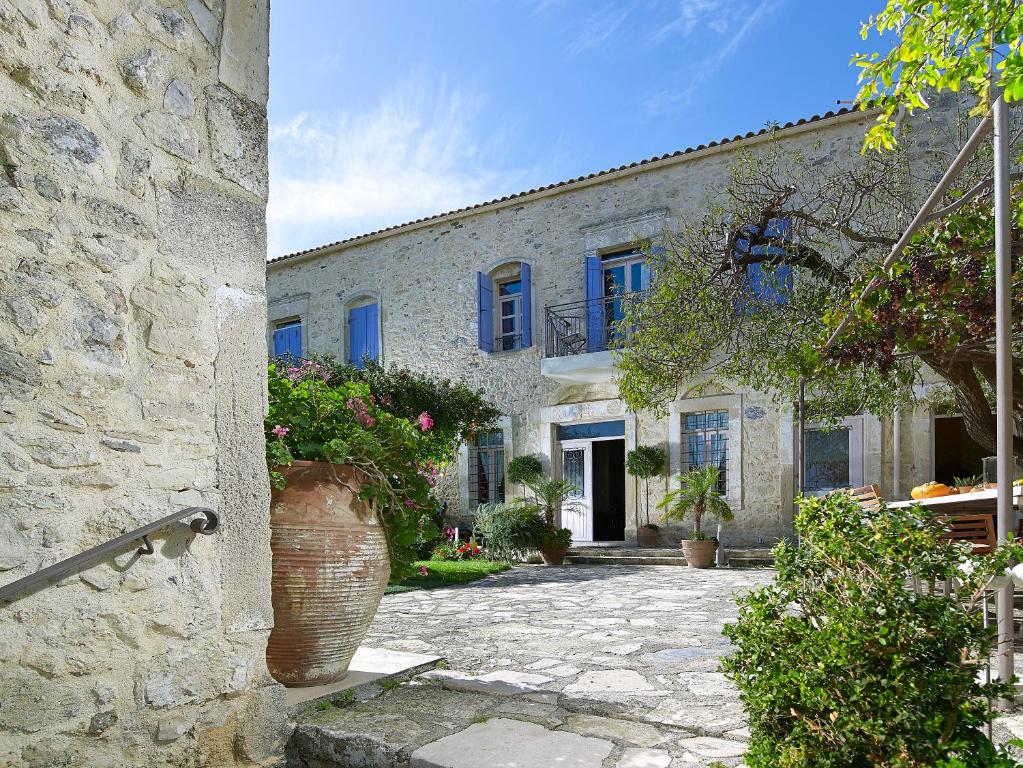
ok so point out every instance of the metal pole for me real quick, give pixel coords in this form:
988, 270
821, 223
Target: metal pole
896, 453
1003, 371
802, 436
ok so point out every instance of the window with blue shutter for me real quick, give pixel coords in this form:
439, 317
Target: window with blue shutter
768, 284
363, 334
526, 277
595, 341
485, 312
287, 339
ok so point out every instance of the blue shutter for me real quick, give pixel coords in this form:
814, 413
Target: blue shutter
485, 312
372, 331
526, 278
595, 341
356, 336
288, 340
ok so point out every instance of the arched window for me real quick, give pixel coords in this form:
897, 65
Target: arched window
504, 304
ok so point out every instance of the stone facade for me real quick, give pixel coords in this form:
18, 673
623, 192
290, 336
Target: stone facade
424, 276
132, 293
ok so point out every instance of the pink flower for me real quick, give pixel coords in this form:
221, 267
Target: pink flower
280, 431
424, 571
409, 503
425, 421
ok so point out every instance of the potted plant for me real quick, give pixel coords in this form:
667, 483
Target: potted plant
697, 495
522, 469
643, 463
549, 498
352, 473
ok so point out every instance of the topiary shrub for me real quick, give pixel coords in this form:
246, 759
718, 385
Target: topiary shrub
644, 462
523, 469
855, 657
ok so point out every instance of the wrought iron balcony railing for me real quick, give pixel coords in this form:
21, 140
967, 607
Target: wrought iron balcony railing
591, 325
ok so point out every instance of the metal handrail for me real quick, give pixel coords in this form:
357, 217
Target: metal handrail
204, 525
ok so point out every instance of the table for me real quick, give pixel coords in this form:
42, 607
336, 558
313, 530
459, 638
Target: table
977, 502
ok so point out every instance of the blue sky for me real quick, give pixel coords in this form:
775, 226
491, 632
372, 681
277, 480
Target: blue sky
382, 111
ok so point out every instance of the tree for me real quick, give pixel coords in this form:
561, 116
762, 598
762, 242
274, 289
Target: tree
940, 46
645, 462
707, 322
749, 294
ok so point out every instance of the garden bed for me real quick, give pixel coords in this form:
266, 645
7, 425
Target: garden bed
444, 573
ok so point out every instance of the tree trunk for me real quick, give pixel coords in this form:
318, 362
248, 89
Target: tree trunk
973, 404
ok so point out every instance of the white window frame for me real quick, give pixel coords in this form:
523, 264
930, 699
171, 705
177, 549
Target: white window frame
516, 302
473, 458
677, 410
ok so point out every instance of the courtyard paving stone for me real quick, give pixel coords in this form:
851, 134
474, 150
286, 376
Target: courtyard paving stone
621, 655
625, 657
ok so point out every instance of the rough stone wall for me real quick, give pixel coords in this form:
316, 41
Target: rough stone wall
132, 301
425, 278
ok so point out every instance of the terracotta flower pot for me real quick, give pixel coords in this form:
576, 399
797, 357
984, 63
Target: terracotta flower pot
330, 570
649, 537
553, 555
699, 553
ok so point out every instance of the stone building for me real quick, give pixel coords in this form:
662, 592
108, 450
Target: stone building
132, 298
517, 296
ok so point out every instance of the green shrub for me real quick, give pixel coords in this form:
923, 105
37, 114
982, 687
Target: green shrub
523, 469
644, 462
855, 657
510, 530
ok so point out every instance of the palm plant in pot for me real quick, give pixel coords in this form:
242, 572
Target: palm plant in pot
697, 495
550, 497
645, 462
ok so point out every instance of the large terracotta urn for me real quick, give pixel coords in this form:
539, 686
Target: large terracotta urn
330, 570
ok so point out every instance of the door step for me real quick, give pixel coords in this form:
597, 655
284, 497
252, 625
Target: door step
735, 558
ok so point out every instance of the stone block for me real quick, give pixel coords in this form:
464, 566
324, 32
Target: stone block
144, 70
170, 132
245, 47
500, 743
238, 137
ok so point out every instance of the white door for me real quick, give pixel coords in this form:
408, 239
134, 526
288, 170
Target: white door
834, 458
577, 511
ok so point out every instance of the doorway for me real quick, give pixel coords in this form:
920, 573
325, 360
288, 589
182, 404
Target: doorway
956, 454
595, 510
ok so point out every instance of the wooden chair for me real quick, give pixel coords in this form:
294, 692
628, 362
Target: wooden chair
868, 497
978, 530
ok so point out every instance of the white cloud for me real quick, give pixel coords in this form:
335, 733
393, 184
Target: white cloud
690, 14
598, 27
416, 153
666, 101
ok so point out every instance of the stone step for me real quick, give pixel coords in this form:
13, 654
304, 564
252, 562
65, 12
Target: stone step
624, 560
735, 558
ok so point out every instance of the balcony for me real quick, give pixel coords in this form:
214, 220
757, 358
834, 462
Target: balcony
579, 337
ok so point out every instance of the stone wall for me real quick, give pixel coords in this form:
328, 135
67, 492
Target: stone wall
424, 276
132, 302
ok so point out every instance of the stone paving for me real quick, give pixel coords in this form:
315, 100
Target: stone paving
604, 666
611, 666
